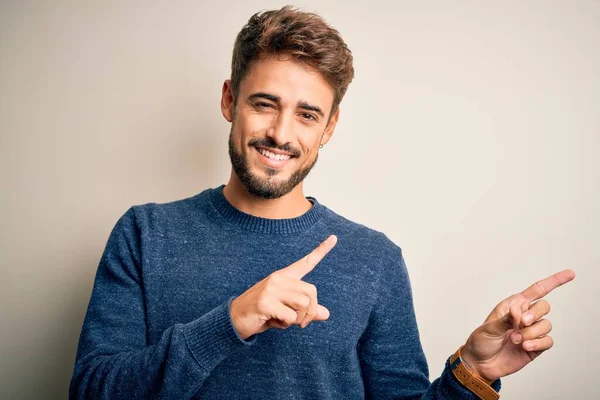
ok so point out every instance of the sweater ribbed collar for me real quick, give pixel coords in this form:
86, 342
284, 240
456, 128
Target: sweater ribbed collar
265, 225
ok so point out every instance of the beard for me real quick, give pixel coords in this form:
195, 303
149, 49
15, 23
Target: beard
268, 187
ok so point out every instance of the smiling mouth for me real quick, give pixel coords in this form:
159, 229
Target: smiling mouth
272, 155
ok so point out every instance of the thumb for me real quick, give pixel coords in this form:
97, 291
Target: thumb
508, 321
322, 313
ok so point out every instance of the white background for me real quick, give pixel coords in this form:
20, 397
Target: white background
470, 136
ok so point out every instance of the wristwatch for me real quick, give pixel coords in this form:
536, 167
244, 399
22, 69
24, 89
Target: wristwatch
469, 379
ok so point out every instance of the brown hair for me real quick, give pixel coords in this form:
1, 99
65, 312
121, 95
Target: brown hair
303, 36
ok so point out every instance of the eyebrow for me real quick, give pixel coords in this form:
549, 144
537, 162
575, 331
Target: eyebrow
305, 106
262, 95
276, 99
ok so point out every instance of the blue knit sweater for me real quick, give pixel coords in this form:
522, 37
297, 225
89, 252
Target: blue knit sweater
158, 323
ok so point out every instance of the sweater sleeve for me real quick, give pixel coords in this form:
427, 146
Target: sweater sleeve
392, 358
114, 360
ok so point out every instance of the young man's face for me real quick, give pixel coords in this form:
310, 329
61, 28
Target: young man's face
280, 119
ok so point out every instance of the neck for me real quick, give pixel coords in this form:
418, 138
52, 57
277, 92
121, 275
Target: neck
291, 205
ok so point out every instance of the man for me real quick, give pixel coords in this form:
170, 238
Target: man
219, 296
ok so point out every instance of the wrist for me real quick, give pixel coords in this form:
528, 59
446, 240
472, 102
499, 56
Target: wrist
237, 321
470, 378
472, 364
469, 360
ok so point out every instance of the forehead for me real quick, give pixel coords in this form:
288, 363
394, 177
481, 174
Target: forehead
291, 80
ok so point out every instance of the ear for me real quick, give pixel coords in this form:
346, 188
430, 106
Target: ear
330, 127
227, 101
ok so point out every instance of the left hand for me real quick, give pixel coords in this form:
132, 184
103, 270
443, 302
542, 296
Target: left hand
494, 350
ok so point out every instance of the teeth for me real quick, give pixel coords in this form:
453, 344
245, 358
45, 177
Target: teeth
273, 156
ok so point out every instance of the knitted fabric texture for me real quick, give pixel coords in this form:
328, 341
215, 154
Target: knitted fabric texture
158, 323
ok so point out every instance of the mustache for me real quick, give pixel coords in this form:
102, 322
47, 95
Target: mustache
269, 143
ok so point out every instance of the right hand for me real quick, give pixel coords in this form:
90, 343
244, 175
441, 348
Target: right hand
282, 299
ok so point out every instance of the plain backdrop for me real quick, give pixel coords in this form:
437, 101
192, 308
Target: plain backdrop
470, 136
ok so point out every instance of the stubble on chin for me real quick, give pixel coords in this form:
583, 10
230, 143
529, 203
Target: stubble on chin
264, 187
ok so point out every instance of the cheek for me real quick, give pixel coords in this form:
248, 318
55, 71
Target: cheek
241, 129
309, 142
309, 152
253, 125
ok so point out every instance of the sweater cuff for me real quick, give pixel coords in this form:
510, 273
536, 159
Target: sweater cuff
212, 337
451, 387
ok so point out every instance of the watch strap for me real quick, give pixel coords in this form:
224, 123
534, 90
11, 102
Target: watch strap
469, 379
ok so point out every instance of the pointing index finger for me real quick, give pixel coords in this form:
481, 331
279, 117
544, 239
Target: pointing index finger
303, 266
545, 286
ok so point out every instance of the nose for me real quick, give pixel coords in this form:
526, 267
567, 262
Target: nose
281, 130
